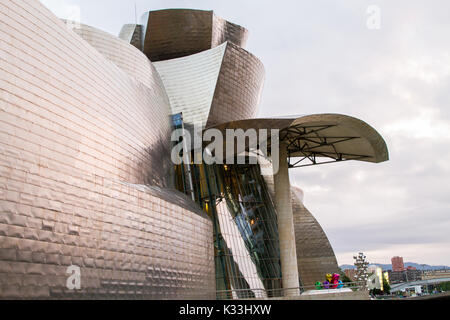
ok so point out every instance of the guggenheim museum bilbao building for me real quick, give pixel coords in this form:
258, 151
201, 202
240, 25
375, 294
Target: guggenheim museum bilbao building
91, 204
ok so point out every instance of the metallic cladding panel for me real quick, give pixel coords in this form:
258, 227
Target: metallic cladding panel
127, 242
224, 31
215, 86
73, 125
239, 87
315, 256
175, 33
123, 55
133, 34
75, 107
190, 83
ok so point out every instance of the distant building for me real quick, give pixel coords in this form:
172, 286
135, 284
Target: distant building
411, 268
436, 274
350, 273
395, 276
397, 264
404, 276
386, 276
375, 281
372, 268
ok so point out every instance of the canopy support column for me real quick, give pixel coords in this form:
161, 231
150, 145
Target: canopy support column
285, 217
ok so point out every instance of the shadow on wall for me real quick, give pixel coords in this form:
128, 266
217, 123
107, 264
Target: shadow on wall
158, 169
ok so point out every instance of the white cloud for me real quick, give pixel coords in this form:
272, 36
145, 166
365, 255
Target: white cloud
64, 9
424, 123
429, 253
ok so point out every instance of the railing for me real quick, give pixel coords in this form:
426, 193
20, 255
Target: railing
129, 290
284, 292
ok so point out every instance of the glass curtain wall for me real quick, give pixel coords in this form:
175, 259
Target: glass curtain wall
247, 256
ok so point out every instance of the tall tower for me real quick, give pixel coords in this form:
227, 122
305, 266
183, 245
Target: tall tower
397, 264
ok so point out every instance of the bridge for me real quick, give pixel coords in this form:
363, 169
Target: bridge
403, 286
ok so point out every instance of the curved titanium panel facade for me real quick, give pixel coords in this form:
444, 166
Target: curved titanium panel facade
215, 86
224, 31
123, 55
133, 34
175, 33
239, 87
98, 114
190, 83
315, 256
74, 127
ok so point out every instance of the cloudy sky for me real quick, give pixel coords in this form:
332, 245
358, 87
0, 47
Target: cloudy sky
321, 57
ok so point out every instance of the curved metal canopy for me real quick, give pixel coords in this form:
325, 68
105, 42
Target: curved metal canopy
310, 139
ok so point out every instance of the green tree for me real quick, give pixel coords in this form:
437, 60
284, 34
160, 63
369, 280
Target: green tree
343, 276
445, 286
375, 292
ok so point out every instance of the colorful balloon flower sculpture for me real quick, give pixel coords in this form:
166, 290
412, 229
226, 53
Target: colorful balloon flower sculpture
331, 282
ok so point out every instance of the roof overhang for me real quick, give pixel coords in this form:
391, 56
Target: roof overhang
313, 138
